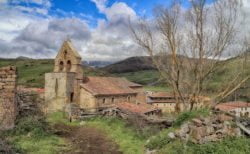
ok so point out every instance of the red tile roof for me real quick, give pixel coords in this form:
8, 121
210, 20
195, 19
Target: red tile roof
141, 108
108, 86
162, 95
232, 105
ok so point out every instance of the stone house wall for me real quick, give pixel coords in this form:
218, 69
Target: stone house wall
165, 107
90, 102
87, 100
141, 96
8, 103
103, 101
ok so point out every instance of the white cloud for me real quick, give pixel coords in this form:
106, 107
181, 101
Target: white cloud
24, 33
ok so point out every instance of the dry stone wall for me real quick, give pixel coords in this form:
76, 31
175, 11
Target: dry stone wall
8, 104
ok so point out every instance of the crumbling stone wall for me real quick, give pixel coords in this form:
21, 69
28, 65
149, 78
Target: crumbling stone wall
8, 104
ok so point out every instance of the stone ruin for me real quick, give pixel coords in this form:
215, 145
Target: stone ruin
8, 103
210, 129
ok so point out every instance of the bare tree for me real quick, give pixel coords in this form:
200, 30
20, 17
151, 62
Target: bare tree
187, 46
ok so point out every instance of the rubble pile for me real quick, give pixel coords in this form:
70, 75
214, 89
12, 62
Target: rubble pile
210, 129
29, 102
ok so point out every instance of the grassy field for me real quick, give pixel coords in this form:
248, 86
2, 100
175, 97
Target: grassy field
31, 72
142, 77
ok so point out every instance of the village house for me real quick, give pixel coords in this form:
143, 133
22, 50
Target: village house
67, 84
167, 103
238, 108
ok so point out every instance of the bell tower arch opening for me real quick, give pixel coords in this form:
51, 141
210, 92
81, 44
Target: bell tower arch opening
68, 67
61, 65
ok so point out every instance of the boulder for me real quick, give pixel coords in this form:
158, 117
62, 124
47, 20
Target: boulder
171, 135
197, 122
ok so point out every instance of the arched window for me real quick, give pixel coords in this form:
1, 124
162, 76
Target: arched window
103, 100
68, 67
61, 66
113, 99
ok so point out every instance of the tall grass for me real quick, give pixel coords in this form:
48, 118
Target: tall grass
32, 135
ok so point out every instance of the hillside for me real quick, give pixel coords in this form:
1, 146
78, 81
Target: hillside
31, 71
132, 64
137, 69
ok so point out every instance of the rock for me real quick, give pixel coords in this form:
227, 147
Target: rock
150, 151
171, 135
198, 132
184, 130
207, 121
223, 117
197, 122
210, 138
209, 130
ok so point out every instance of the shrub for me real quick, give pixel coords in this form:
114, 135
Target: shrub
160, 140
185, 116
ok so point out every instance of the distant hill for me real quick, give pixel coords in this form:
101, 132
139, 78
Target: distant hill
23, 58
97, 64
132, 64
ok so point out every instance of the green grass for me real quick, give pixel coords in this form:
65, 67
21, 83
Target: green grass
239, 145
157, 88
32, 136
188, 115
127, 139
141, 77
30, 72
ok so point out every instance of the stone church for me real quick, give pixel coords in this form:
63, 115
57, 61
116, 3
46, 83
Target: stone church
67, 84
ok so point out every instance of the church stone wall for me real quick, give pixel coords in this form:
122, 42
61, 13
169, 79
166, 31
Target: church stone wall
59, 88
8, 104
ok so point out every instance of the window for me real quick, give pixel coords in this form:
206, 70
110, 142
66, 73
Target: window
113, 100
71, 97
103, 100
65, 54
61, 66
56, 87
68, 68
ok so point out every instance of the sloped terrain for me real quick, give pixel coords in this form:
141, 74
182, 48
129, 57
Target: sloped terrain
132, 64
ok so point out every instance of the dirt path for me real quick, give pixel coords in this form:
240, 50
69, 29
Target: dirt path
86, 140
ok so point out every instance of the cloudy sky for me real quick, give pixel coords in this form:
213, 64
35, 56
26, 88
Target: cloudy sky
97, 28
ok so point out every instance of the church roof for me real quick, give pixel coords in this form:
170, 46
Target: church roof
109, 86
68, 43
